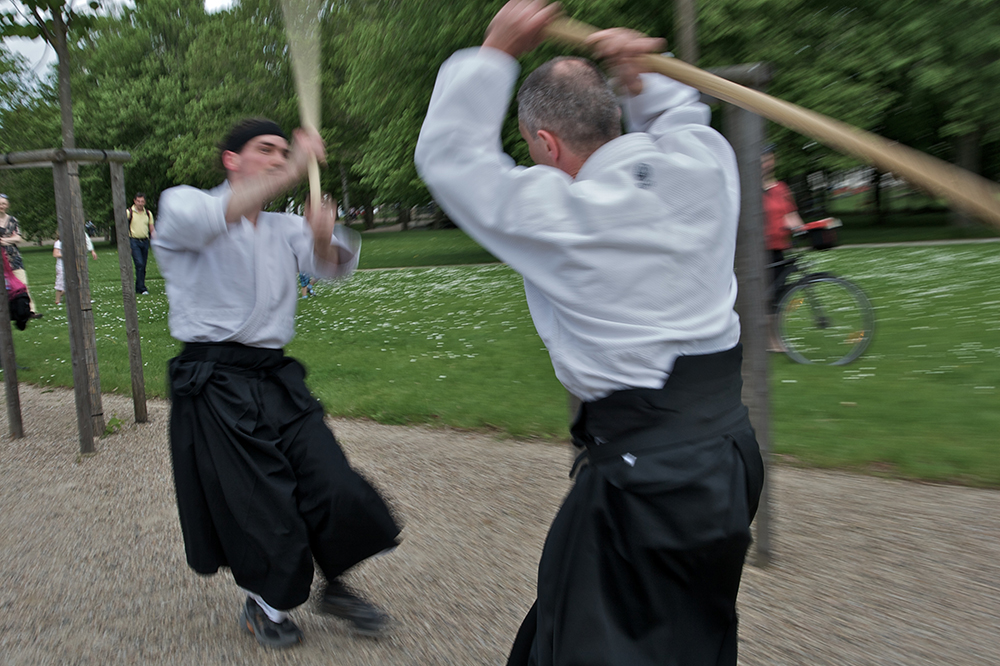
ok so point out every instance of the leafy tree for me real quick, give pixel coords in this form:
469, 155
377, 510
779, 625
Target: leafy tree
237, 66
164, 81
14, 79
953, 49
29, 119
395, 50
828, 57
50, 20
133, 94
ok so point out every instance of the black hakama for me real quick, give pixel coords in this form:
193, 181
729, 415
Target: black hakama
262, 485
642, 564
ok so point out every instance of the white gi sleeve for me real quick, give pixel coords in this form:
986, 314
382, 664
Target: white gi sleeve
672, 114
459, 154
190, 218
348, 242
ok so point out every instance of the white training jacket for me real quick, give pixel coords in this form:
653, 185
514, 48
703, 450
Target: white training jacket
236, 282
626, 267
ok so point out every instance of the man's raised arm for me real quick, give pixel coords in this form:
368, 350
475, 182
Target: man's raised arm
249, 194
458, 153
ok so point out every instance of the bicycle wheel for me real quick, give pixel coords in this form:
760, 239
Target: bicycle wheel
825, 319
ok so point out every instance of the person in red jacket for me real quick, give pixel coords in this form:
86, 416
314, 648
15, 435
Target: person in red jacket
781, 216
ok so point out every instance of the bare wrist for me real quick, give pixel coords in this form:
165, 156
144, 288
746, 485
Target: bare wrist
488, 44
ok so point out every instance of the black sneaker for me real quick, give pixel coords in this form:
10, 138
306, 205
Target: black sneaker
365, 617
255, 621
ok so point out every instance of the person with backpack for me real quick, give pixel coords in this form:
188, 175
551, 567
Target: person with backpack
140, 231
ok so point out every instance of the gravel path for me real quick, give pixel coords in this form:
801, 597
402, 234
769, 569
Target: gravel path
867, 571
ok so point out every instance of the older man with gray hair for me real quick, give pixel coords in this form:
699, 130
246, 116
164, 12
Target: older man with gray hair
626, 245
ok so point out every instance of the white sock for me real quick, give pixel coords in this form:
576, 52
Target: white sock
273, 614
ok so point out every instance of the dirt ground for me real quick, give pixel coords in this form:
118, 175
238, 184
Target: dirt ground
865, 570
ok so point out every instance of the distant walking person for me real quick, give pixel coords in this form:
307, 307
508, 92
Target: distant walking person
10, 236
140, 232
60, 269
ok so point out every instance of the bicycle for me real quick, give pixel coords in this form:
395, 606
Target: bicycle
820, 318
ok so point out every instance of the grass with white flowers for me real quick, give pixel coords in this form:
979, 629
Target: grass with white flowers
455, 346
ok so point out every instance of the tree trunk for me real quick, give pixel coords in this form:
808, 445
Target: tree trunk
344, 189
404, 216
369, 214
65, 98
968, 155
686, 29
876, 184
69, 212
745, 131
441, 220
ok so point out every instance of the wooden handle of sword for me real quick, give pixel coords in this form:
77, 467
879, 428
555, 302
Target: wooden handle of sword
315, 189
963, 189
302, 29
309, 112
315, 192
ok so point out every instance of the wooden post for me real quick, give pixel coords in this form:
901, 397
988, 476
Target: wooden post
345, 191
128, 292
9, 368
89, 334
83, 342
77, 298
745, 132
686, 30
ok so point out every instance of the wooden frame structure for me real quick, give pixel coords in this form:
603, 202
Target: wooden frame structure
745, 132
83, 342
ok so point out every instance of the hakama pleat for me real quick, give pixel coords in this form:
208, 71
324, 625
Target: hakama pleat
642, 564
262, 485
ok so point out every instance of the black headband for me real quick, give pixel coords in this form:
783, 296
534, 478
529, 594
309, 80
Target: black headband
249, 129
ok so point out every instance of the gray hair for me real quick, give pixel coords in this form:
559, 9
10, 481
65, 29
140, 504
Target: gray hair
571, 98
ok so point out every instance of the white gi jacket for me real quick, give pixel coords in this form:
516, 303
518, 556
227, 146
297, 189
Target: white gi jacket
626, 267
239, 282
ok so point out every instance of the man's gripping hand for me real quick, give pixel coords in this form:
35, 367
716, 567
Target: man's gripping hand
518, 26
306, 143
321, 223
622, 49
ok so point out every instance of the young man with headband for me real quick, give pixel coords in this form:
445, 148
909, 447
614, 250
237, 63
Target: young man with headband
262, 485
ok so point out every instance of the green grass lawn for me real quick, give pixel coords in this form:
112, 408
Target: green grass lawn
451, 345
455, 346
909, 216
423, 247
862, 228
924, 401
